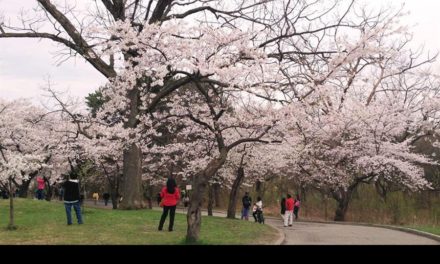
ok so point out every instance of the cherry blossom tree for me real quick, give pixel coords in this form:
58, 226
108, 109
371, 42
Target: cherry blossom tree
321, 67
274, 25
28, 139
247, 165
339, 150
225, 59
106, 155
357, 120
218, 128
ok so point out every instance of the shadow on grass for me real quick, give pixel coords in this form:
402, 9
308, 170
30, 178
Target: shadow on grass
184, 242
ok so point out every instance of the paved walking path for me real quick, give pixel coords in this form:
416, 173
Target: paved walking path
314, 233
311, 233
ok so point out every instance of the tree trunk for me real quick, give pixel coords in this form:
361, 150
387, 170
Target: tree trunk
194, 216
341, 209
283, 186
303, 194
132, 186
200, 181
113, 183
325, 200
217, 194
113, 189
343, 199
233, 195
114, 198
49, 193
11, 225
132, 193
259, 188
151, 195
210, 199
24, 188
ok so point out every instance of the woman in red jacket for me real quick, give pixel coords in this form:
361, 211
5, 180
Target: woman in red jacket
170, 196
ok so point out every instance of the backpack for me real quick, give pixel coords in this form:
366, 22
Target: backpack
246, 202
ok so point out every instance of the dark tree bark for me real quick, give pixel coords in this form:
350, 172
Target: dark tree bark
151, 196
132, 186
210, 199
159, 10
303, 193
114, 186
50, 190
113, 182
132, 192
194, 216
79, 44
341, 209
23, 189
200, 181
233, 195
324, 201
216, 187
343, 198
114, 197
259, 188
11, 225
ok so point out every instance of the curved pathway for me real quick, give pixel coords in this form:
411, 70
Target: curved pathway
312, 233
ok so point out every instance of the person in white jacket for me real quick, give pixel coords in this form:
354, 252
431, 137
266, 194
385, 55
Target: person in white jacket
259, 211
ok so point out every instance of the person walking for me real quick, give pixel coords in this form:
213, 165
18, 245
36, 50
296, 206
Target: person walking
61, 192
40, 190
72, 198
288, 217
283, 207
95, 196
170, 196
158, 199
186, 200
247, 202
254, 212
297, 204
259, 211
106, 197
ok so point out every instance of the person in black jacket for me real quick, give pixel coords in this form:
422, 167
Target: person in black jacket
283, 207
106, 197
72, 198
247, 202
158, 199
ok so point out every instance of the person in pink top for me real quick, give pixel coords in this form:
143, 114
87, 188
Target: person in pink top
170, 196
296, 206
40, 191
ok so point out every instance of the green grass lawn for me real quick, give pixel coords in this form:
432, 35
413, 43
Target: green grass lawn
42, 222
429, 229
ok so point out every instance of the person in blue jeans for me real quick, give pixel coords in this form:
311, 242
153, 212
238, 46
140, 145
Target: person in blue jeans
247, 202
72, 198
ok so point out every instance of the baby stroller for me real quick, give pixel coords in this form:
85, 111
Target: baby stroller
260, 216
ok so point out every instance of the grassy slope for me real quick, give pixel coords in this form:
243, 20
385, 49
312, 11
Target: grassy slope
429, 229
41, 222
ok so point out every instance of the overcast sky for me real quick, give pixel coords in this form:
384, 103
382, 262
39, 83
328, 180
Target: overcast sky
25, 64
